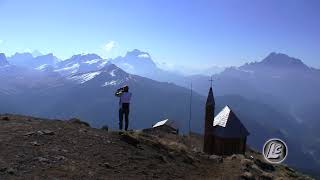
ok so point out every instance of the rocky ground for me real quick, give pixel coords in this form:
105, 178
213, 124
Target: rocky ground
34, 148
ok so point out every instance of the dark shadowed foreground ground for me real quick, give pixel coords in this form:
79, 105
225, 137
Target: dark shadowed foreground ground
33, 148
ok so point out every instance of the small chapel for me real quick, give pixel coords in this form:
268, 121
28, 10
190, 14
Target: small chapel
224, 134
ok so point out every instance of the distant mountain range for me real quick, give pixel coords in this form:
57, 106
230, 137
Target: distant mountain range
275, 97
28, 60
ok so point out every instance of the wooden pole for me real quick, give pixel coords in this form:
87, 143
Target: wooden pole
190, 110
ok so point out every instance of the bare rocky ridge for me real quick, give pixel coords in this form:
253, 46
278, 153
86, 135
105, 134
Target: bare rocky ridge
3, 60
34, 148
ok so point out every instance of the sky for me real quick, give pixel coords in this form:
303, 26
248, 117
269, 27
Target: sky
181, 33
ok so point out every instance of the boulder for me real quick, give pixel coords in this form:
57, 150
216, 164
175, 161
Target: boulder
247, 176
42, 159
45, 132
106, 128
266, 176
78, 121
216, 159
5, 118
236, 156
11, 171
264, 166
255, 169
129, 139
35, 143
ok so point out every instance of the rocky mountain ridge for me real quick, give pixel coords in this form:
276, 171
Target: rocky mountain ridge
3, 60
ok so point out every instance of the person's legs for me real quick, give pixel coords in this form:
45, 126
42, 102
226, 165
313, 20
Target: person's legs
126, 113
120, 118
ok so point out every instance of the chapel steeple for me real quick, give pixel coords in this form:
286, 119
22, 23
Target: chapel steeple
209, 117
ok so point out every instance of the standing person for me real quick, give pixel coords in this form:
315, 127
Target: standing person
124, 105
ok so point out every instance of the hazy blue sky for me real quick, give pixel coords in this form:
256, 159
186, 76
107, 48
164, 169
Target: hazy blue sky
182, 32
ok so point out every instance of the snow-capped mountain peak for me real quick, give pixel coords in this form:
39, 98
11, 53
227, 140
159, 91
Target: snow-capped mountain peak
110, 75
83, 57
136, 62
81, 63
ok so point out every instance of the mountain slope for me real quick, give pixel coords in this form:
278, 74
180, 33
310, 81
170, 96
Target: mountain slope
35, 148
98, 103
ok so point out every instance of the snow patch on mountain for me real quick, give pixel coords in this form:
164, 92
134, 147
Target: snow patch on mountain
93, 61
144, 56
112, 72
110, 83
42, 67
115, 82
85, 77
102, 64
246, 71
74, 68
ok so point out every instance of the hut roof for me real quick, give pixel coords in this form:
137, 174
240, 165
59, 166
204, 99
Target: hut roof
165, 122
227, 124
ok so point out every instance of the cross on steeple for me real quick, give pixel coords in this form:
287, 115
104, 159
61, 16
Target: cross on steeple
211, 80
